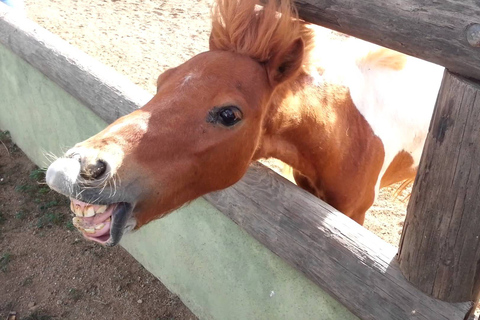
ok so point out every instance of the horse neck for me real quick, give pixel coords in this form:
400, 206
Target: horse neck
305, 125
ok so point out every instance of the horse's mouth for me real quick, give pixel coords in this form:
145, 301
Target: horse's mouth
104, 224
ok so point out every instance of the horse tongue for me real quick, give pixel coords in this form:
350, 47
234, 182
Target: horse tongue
99, 231
92, 222
102, 217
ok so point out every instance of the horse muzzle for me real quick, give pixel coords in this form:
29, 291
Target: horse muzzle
102, 207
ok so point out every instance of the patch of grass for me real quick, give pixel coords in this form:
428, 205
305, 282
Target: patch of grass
49, 205
38, 174
5, 136
4, 261
24, 188
49, 220
74, 294
38, 315
43, 190
6, 141
70, 225
20, 215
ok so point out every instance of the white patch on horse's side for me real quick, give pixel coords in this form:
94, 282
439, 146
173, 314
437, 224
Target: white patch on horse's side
398, 104
317, 79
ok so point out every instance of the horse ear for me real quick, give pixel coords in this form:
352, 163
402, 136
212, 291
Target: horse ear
284, 65
211, 43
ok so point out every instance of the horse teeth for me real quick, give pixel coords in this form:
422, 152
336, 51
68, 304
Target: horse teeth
90, 212
100, 226
72, 207
89, 230
76, 222
101, 209
78, 210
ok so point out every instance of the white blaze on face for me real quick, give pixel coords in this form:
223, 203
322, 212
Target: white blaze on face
189, 77
397, 104
139, 124
115, 153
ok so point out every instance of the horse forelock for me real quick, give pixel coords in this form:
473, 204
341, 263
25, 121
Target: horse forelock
259, 32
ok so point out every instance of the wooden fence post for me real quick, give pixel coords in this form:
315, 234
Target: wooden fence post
439, 250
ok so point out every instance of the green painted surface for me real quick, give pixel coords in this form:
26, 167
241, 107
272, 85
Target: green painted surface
223, 273
218, 270
40, 116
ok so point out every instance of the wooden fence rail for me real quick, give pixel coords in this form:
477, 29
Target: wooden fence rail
445, 32
354, 265
440, 247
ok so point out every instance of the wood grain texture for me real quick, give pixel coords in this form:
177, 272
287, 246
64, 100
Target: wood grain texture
109, 94
351, 263
431, 30
440, 246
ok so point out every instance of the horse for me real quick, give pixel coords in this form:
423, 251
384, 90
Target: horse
349, 117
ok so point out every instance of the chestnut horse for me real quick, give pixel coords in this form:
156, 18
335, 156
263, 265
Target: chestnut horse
349, 117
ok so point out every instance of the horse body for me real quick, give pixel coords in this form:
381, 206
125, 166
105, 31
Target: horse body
353, 122
265, 89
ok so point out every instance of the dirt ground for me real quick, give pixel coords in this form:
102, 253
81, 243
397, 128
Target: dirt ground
47, 269
78, 279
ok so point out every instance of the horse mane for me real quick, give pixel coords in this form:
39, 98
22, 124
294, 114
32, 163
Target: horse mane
258, 32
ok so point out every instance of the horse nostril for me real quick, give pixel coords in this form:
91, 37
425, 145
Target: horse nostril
94, 170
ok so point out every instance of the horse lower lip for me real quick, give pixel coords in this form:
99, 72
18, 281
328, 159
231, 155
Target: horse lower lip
119, 219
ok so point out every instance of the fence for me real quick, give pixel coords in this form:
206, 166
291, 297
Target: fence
439, 251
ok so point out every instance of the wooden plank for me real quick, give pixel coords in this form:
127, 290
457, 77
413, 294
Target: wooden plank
109, 94
351, 263
440, 245
445, 32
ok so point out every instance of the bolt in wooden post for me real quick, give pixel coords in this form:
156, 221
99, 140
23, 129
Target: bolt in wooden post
440, 247
473, 35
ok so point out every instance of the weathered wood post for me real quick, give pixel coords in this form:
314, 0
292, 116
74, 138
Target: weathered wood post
439, 250
440, 247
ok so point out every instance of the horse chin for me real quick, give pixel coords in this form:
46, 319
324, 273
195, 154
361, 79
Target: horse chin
105, 224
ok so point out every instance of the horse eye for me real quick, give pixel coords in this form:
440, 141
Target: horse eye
227, 116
